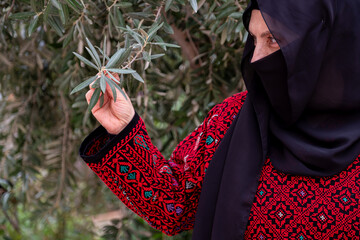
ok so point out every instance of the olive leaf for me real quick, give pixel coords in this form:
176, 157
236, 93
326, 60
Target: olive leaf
94, 99
84, 60
106, 70
83, 85
194, 5
120, 62
113, 60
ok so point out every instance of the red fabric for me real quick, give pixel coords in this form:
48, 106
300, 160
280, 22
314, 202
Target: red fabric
166, 192
297, 207
163, 192
95, 146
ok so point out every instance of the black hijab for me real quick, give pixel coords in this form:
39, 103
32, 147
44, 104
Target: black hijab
307, 122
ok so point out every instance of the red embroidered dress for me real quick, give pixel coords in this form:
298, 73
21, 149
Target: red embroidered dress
166, 192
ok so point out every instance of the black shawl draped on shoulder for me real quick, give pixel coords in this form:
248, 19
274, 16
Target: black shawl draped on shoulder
317, 133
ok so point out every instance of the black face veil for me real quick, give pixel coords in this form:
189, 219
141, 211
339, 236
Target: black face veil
315, 132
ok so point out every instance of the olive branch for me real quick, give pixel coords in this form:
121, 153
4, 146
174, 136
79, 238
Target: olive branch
114, 65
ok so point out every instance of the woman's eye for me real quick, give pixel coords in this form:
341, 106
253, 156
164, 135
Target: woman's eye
272, 40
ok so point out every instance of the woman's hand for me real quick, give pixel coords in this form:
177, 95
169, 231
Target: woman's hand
113, 116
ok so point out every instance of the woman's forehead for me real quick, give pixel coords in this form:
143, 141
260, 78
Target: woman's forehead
257, 24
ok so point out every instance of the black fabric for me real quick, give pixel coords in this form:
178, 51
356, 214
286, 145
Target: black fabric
308, 122
100, 132
272, 72
320, 41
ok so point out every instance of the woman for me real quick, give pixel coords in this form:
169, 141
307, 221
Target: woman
284, 155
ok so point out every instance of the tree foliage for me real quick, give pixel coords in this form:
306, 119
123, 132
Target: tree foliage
46, 191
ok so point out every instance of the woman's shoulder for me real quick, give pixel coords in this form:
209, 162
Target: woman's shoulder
237, 99
227, 110
230, 104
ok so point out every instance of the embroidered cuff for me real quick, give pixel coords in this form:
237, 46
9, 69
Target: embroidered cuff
97, 138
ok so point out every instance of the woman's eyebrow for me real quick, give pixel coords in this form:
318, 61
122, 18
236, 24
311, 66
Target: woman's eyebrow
264, 34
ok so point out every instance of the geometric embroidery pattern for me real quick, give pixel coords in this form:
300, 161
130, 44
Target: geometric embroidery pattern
163, 192
166, 192
139, 139
299, 207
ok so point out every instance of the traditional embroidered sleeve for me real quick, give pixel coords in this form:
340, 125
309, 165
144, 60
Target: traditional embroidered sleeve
163, 192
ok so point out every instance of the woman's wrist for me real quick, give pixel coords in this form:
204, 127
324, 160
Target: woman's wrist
123, 122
